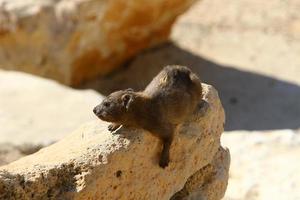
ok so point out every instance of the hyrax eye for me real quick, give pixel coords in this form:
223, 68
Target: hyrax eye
106, 104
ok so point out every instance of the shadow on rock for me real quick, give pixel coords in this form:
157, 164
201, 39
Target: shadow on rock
252, 101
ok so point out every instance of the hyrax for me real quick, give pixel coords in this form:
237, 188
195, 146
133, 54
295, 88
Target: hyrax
165, 103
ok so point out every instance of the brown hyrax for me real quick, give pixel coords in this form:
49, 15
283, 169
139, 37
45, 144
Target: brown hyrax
165, 103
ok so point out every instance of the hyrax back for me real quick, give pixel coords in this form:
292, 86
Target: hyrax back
169, 98
175, 91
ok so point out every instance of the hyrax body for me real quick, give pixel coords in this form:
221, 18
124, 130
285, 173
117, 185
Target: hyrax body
165, 103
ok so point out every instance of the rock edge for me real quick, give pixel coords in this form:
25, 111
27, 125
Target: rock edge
92, 163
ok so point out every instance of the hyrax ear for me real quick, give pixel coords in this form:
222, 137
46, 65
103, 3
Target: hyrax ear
127, 100
129, 90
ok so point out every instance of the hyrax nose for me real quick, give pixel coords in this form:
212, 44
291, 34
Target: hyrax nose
96, 110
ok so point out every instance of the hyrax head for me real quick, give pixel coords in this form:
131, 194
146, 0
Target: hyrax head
115, 106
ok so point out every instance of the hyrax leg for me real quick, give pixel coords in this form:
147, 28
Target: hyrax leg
165, 132
112, 127
165, 154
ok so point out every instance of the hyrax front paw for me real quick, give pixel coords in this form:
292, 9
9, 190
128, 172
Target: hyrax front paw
113, 127
163, 163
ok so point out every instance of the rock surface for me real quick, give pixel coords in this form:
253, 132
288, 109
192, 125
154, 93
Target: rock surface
38, 111
71, 41
213, 175
92, 163
263, 165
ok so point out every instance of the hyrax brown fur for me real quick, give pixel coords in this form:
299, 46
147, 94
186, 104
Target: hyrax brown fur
165, 103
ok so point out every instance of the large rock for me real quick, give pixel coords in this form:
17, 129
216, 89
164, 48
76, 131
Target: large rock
38, 111
265, 165
214, 175
92, 163
71, 41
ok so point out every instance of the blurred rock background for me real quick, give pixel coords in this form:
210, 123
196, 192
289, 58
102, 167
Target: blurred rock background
248, 49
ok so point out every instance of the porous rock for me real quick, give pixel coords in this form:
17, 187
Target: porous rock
72, 41
92, 163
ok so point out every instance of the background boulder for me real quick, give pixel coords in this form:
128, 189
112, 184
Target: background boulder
71, 41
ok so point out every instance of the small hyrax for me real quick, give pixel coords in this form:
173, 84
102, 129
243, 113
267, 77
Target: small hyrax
165, 103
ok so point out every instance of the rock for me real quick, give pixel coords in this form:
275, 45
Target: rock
265, 165
72, 41
92, 163
213, 175
38, 111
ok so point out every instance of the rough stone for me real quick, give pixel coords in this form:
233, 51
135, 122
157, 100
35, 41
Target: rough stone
214, 175
72, 41
37, 111
92, 163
